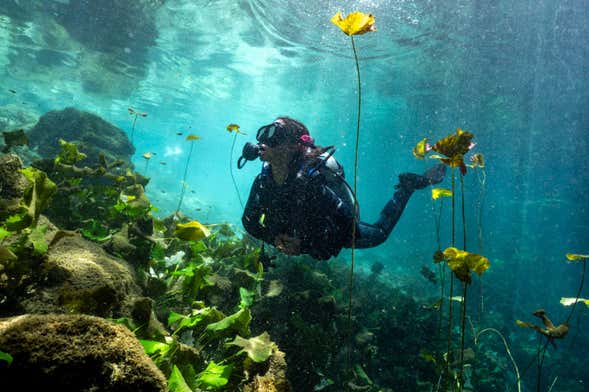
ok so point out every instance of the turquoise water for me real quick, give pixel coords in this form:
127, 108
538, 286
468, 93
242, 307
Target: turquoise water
514, 73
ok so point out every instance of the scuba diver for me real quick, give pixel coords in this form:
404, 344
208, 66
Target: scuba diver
301, 204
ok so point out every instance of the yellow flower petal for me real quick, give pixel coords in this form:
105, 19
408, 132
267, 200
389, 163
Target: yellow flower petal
576, 257
192, 137
441, 192
355, 23
191, 231
419, 149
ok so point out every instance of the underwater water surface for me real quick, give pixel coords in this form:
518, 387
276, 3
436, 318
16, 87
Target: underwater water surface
514, 73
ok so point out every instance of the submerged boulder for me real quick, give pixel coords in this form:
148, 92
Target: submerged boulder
75, 353
92, 135
80, 277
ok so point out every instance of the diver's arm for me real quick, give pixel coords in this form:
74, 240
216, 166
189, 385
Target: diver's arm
253, 212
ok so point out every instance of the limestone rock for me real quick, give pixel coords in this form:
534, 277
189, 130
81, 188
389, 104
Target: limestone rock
274, 379
82, 278
89, 132
75, 353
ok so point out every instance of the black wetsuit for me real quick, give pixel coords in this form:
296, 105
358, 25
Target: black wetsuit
315, 210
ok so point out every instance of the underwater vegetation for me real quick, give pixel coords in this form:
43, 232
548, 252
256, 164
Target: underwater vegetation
190, 138
356, 23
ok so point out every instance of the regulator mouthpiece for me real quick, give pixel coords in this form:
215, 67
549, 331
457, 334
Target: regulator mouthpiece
250, 152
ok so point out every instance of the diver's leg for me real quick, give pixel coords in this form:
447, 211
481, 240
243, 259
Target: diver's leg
377, 233
372, 235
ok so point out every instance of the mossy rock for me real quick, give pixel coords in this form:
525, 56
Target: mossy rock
75, 353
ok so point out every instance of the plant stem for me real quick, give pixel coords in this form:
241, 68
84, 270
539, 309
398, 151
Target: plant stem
451, 283
519, 388
184, 179
578, 294
463, 313
231, 170
355, 223
133, 128
463, 316
463, 213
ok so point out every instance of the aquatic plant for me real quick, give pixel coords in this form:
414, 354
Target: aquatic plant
230, 351
507, 349
549, 330
191, 138
135, 114
147, 156
356, 23
438, 257
582, 259
452, 148
191, 231
235, 129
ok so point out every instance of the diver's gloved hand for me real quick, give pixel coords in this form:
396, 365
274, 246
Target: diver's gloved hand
412, 181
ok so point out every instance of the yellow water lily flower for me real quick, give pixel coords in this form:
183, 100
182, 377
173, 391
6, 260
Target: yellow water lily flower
355, 23
420, 149
454, 145
441, 192
192, 137
191, 231
234, 128
148, 155
462, 263
576, 257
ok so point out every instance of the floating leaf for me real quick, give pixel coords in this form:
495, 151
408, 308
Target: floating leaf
441, 192
576, 257
420, 149
355, 23
215, 376
571, 301
258, 348
136, 113
192, 137
191, 231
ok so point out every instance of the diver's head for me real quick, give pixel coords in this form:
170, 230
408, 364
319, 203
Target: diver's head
284, 138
